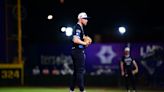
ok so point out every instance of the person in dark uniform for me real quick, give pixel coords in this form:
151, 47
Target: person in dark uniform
78, 54
129, 68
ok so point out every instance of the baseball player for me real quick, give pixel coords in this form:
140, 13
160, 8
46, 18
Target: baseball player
80, 42
128, 69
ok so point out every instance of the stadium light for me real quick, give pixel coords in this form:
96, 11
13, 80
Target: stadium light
69, 31
122, 30
49, 17
63, 29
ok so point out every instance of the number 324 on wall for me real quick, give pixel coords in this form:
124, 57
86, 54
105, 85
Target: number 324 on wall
10, 74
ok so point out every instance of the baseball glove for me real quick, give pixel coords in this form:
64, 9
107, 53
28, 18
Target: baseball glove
87, 39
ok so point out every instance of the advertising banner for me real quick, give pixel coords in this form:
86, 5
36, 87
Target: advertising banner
101, 59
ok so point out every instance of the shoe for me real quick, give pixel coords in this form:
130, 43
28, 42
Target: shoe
128, 90
82, 91
134, 91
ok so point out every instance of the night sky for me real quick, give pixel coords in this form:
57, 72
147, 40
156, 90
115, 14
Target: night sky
143, 19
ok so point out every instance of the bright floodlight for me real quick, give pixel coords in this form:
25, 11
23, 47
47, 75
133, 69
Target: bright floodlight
122, 30
63, 29
69, 31
49, 17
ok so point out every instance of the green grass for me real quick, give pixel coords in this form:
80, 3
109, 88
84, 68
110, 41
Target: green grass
63, 89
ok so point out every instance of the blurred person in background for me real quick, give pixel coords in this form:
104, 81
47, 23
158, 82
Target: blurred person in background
129, 69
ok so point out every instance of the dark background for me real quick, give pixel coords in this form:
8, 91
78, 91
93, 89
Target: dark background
143, 19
